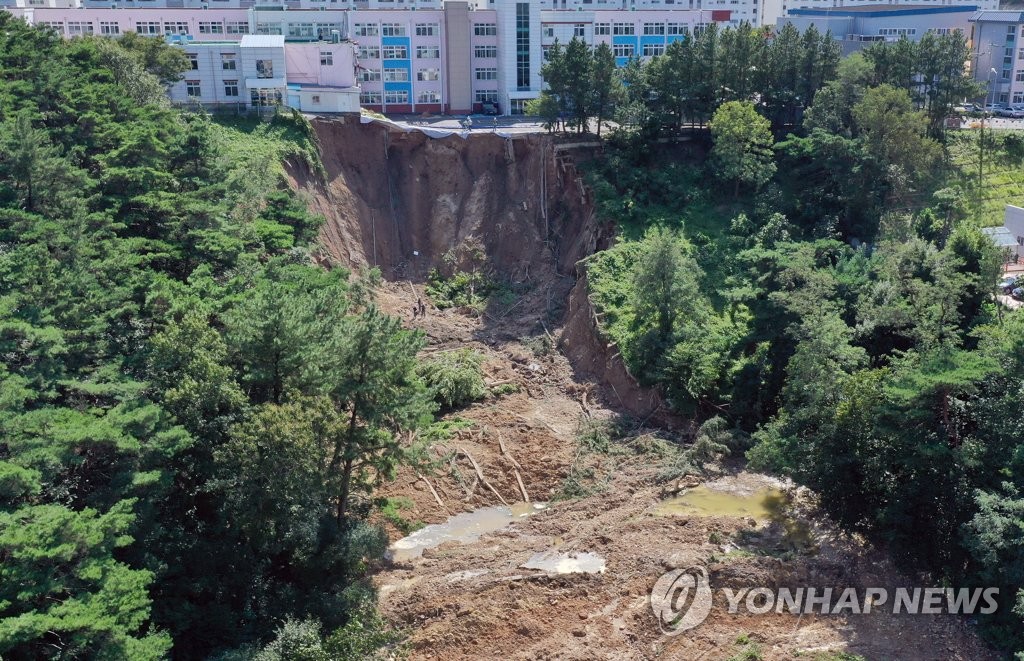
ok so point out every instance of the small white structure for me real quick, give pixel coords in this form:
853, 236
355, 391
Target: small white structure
1011, 235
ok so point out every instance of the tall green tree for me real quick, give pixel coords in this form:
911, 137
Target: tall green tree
742, 151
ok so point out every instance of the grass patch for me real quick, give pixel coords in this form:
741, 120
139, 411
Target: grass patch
1002, 181
391, 509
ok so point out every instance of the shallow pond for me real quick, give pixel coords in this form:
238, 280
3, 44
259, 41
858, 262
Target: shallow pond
463, 528
764, 504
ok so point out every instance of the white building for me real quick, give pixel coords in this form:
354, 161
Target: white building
997, 41
857, 27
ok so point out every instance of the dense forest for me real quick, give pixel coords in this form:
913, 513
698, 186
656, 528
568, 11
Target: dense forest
191, 413
811, 271
193, 416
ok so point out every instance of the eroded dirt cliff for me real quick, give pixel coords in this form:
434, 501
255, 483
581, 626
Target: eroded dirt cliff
401, 200
388, 195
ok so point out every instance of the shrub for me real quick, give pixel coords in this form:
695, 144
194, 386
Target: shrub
454, 377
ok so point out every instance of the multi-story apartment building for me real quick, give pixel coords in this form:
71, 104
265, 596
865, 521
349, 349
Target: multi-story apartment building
860, 26
399, 56
997, 45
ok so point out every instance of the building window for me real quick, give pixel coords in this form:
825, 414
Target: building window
59, 25
193, 60
602, 28
210, 27
489, 73
1019, 77
326, 58
675, 28
176, 27
396, 75
654, 28
268, 28
395, 52
300, 30
192, 88
365, 30
897, 32
651, 50
372, 98
485, 29
109, 28
1005, 75
624, 29
147, 27
78, 28
579, 30
485, 51
487, 96
263, 97
429, 97
548, 31
238, 27
517, 106
228, 62
426, 29
369, 52
369, 75
428, 52
396, 96
428, 75
522, 45
392, 29
623, 50
316, 98
264, 68
230, 88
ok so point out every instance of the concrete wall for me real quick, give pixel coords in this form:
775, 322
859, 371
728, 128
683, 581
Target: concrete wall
458, 57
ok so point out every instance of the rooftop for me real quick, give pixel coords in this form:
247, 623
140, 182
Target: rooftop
998, 16
1000, 236
263, 41
884, 10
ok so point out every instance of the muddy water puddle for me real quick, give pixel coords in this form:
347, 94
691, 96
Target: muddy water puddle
566, 563
462, 528
762, 504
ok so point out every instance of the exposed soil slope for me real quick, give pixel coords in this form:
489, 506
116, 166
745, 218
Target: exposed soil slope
388, 194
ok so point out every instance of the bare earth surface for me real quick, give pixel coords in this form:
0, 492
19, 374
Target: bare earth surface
475, 601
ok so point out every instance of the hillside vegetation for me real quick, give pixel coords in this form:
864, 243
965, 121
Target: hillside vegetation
823, 287
192, 416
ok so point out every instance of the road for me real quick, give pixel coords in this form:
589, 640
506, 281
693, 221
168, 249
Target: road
993, 123
481, 123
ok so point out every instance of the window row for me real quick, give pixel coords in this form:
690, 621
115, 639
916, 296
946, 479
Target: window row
627, 29
371, 97
395, 29
194, 88
398, 52
398, 75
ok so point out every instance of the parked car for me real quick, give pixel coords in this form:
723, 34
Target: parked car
1018, 293
1008, 284
1011, 112
993, 108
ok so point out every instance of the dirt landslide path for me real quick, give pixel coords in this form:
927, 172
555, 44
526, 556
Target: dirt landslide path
474, 601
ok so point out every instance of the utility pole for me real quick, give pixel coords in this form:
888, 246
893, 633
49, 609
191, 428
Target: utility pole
981, 139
